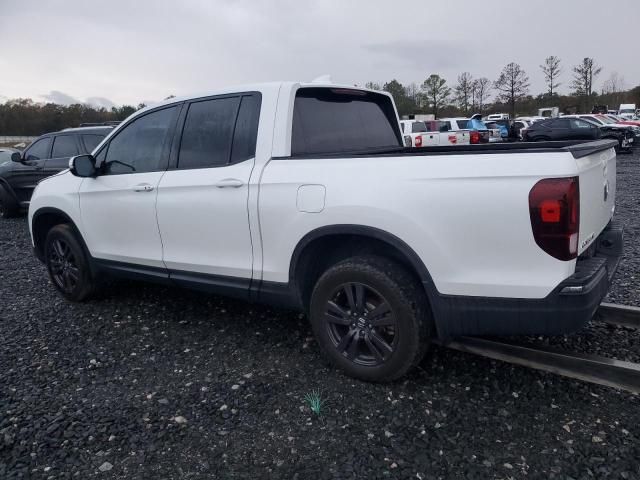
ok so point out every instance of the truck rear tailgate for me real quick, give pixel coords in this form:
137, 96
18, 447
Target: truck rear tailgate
597, 173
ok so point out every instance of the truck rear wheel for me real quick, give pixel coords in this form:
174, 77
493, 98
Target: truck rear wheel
371, 318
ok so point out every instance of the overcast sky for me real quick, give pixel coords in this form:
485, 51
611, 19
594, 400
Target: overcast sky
116, 52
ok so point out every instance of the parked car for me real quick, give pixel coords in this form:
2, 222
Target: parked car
532, 119
572, 128
623, 121
498, 116
273, 193
430, 133
605, 121
456, 124
45, 156
549, 112
518, 126
5, 154
627, 111
509, 129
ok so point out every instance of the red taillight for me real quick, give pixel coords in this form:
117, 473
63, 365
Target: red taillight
418, 141
474, 137
554, 208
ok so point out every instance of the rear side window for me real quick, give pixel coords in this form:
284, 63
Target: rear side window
64, 146
462, 124
39, 150
342, 120
418, 127
91, 141
208, 133
246, 131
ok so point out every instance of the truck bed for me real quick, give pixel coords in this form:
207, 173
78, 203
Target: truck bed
578, 148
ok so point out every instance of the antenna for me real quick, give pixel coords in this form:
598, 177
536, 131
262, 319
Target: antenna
322, 79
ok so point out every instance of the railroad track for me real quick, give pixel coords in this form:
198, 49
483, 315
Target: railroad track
589, 368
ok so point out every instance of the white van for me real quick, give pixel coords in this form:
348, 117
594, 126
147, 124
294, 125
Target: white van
627, 111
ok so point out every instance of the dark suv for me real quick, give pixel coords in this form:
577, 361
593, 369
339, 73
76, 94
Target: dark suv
576, 128
46, 156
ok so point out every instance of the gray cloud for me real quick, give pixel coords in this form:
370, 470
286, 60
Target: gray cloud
61, 98
128, 51
100, 102
441, 54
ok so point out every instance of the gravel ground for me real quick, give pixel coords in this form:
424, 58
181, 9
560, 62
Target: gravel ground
150, 382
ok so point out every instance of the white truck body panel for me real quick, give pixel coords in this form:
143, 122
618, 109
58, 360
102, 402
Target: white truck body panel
465, 215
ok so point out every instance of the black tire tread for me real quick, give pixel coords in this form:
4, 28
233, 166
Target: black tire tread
406, 287
9, 207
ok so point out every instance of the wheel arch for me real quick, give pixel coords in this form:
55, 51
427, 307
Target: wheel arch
326, 245
43, 220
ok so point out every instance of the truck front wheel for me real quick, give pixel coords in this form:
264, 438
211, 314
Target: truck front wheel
68, 265
371, 318
8, 207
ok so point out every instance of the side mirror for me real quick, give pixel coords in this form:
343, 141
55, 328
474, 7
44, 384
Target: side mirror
83, 166
16, 157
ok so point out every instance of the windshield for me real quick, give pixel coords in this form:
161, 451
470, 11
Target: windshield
627, 110
605, 119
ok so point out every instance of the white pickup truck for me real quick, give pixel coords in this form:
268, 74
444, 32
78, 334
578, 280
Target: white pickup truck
484, 135
302, 194
418, 134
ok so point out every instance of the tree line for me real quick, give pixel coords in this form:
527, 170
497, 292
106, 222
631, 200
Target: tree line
510, 91
23, 116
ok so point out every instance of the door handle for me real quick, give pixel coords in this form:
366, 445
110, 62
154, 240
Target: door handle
143, 187
229, 183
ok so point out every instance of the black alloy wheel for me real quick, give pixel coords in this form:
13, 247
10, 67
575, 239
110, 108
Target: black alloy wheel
361, 324
68, 264
63, 267
371, 317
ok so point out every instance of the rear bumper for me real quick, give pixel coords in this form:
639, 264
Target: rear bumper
571, 304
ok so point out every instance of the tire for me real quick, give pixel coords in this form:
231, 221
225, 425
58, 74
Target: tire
370, 345
8, 207
68, 265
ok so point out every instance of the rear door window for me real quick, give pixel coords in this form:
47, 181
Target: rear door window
207, 135
418, 127
246, 131
334, 120
64, 146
